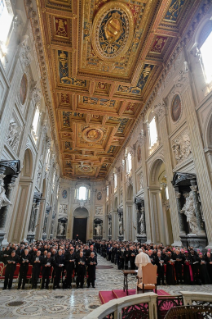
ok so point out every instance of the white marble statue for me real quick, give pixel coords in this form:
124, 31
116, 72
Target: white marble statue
61, 229
141, 221
98, 230
4, 201
109, 229
189, 210
120, 226
13, 135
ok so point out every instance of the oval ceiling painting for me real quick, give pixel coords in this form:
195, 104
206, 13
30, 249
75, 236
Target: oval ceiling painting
23, 89
113, 30
176, 108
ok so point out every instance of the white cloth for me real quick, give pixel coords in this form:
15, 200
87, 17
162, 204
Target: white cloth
141, 260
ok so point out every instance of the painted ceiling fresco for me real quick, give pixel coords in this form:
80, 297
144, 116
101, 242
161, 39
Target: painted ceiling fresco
104, 58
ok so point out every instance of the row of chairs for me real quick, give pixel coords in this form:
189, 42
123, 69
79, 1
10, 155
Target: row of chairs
29, 273
16, 273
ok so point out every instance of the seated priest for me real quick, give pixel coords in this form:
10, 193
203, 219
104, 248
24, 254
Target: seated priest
141, 260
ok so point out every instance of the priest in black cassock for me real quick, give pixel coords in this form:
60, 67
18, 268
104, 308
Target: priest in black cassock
81, 269
70, 265
92, 262
11, 262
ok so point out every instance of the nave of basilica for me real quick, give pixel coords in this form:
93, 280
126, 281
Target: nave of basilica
106, 122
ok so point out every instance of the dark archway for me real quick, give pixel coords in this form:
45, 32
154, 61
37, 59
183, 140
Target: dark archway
80, 223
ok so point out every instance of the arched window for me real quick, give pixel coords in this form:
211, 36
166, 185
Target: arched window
35, 124
6, 17
167, 192
107, 192
205, 50
129, 162
82, 193
53, 180
153, 134
48, 159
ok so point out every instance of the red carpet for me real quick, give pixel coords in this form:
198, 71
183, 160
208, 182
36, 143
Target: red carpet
106, 296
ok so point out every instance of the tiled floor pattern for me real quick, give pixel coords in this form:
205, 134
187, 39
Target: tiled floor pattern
70, 304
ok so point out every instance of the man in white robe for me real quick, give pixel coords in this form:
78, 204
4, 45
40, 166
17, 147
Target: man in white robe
141, 260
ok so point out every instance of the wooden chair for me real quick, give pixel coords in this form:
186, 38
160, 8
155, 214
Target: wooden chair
189, 312
149, 278
2, 271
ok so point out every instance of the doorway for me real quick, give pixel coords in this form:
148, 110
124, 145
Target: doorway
80, 224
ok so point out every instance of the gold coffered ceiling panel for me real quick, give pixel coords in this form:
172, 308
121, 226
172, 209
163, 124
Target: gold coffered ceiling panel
104, 58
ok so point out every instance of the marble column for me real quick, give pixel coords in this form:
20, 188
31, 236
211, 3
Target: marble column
200, 223
181, 221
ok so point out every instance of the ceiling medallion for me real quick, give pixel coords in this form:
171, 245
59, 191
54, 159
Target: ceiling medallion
85, 168
92, 134
113, 30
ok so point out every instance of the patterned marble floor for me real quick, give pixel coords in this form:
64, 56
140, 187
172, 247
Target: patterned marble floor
70, 304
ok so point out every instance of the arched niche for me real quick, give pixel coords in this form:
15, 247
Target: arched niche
81, 212
27, 170
62, 227
161, 226
157, 168
97, 228
130, 192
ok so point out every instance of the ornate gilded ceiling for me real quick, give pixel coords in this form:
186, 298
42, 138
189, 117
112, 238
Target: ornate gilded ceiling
104, 58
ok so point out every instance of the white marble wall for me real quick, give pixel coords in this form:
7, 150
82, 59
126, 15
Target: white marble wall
17, 139
182, 146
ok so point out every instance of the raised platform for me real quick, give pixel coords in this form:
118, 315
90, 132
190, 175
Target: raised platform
106, 296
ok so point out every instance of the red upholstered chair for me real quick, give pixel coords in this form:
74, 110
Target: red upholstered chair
40, 275
29, 272
2, 271
1, 267
16, 273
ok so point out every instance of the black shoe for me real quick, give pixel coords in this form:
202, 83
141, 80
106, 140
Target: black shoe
93, 287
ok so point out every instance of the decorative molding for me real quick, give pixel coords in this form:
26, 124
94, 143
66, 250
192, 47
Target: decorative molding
181, 147
25, 55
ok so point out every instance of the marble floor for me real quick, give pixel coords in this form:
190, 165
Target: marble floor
70, 304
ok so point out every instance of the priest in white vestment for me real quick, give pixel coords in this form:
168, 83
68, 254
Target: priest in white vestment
141, 260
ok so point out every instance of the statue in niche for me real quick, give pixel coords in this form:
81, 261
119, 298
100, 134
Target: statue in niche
98, 230
109, 228
61, 229
45, 224
141, 222
4, 201
52, 227
13, 135
189, 210
120, 226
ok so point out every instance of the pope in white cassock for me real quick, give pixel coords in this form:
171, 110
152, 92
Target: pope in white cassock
141, 260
